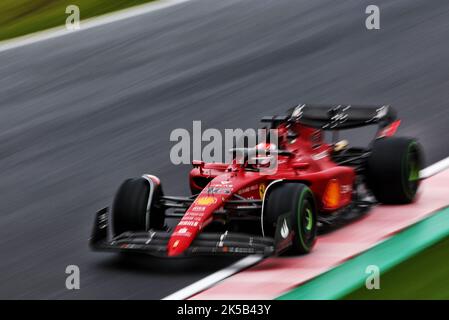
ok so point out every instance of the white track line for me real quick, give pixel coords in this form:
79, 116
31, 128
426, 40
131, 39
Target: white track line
247, 262
88, 24
214, 278
435, 168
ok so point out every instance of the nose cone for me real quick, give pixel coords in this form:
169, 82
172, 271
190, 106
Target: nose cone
181, 239
177, 245
199, 215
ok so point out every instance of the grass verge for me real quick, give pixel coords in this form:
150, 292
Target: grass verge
341, 281
425, 276
21, 17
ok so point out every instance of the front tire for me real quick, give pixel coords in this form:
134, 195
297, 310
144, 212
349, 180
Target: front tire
392, 170
129, 210
295, 203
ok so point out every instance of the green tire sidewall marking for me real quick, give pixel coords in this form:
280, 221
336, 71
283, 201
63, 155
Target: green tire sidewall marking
310, 220
405, 176
414, 170
414, 175
300, 207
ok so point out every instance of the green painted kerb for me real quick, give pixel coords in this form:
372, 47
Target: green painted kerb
351, 275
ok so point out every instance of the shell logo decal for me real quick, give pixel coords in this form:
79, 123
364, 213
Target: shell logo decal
205, 201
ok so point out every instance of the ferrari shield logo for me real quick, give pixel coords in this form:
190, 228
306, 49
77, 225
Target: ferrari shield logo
262, 189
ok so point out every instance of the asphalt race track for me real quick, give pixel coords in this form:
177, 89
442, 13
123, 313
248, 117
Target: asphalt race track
80, 113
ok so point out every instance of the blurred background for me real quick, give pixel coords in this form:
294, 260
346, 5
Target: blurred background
82, 112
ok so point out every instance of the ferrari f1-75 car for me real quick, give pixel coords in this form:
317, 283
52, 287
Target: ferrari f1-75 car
234, 209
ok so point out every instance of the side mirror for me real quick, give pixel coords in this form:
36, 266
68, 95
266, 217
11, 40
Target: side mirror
198, 164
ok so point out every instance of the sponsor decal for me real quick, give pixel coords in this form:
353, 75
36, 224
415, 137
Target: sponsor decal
188, 223
262, 189
298, 112
199, 208
185, 234
249, 189
175, 244
320, 155
193, 216
219, 190
284, 230
206, 201
339, 116
380, 113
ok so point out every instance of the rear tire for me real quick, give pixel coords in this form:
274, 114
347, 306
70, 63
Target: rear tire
392, 170
295, 202
129, 210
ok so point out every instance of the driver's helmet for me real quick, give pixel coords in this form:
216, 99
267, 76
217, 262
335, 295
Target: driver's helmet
262, 156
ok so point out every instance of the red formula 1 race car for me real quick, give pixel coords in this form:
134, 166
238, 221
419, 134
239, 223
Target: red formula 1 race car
235, 209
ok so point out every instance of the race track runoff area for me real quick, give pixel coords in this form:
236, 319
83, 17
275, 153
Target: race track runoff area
386, 237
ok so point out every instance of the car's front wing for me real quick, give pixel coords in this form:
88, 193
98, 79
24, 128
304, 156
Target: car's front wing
155, 242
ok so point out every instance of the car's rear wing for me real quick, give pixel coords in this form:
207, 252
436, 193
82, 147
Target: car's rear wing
337, 117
